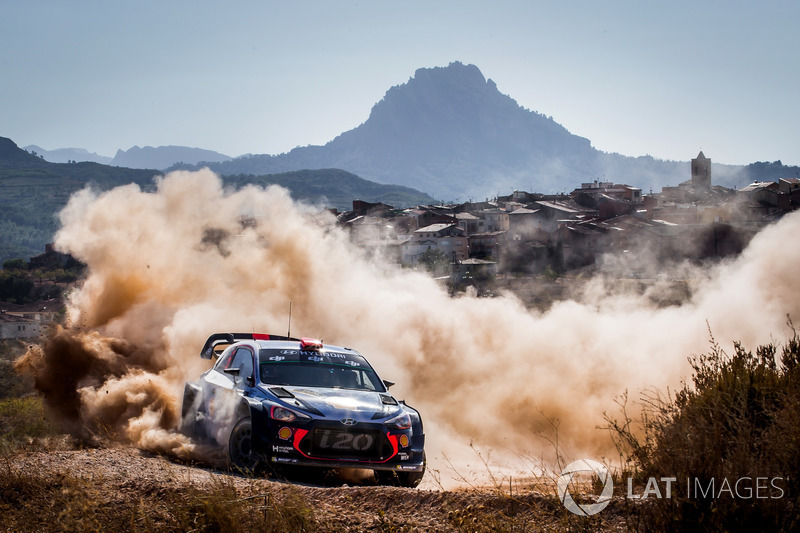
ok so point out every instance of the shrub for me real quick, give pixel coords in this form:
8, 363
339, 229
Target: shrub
15, 286
739, 419
435, 262
15, 264
22, 419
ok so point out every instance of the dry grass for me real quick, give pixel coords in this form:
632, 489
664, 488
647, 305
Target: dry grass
59, 501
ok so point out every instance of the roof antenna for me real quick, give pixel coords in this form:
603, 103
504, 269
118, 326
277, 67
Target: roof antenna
289, 333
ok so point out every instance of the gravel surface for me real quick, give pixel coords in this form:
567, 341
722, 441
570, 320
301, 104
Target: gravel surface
123, 475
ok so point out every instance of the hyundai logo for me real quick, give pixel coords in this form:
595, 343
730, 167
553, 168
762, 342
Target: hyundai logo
348, 421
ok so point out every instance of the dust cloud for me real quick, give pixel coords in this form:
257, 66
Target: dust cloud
169, 267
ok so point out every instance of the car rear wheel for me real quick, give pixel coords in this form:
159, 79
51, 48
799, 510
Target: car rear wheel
240, 453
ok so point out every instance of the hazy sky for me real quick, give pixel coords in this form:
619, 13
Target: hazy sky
661, 78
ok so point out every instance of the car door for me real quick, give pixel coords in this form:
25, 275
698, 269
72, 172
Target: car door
243, 360
222, 390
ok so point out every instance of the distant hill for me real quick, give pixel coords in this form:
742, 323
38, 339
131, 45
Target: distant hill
65, 155
33, 191
332, 187
449, 132
163, 157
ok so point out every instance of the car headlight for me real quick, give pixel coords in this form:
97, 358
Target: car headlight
277, 412
401, 421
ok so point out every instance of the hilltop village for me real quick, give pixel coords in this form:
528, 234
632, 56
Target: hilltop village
533, 234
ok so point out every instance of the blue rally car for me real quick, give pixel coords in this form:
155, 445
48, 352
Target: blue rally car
279, 401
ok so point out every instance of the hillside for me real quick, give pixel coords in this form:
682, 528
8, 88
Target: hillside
334, 188
33, 191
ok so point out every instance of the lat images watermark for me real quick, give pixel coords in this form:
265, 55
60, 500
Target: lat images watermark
744, 488
585, 465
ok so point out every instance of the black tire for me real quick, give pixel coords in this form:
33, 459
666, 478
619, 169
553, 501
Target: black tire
401, 479
240, 454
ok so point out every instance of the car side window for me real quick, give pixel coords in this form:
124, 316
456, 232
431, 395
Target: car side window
224, 360
243, 360
365, 382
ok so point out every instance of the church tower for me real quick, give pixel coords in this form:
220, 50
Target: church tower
701, 171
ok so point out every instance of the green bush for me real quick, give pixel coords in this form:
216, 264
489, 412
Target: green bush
15, 264
435, 261
15, 286
23, 419
739, 419
12, 385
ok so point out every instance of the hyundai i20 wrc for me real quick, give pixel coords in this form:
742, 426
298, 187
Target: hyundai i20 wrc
278, 401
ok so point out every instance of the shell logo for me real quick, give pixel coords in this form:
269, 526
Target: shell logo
285, 433
404, 440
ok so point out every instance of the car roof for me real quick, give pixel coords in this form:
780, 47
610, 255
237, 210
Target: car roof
295, 345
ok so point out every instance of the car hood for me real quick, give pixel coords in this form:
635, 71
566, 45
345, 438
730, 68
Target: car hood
344, 403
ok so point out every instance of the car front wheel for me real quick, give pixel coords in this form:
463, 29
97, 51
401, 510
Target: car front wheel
400, 479
240, 452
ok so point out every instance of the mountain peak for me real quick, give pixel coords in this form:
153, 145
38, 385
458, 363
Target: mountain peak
455, 72
444, 97
448, 131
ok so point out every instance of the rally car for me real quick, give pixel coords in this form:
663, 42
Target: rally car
281, 402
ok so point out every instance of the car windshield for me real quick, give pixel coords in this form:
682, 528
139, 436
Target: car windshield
318, 374
317, 368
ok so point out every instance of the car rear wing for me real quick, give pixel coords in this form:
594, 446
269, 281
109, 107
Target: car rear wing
229, 338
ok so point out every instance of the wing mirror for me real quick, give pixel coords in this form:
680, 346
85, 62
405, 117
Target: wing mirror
388, 383
235, 372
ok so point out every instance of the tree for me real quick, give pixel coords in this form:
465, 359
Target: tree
15, 287
15, 264
435, 261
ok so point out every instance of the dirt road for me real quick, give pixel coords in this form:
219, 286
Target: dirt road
148, 491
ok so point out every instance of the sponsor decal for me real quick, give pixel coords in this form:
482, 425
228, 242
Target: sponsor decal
285, 433
282, 449
403, 440
334, 440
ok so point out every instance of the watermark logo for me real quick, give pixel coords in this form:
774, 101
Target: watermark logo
743, 488
585, 465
